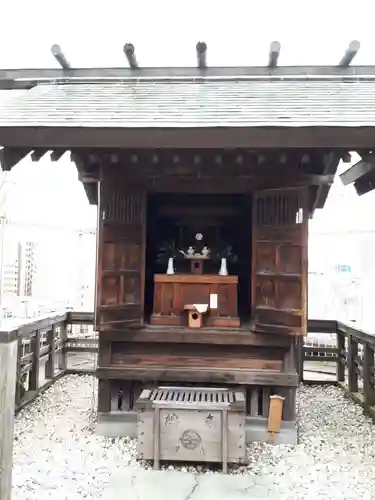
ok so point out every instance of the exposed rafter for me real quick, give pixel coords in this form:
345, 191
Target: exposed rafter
59, 56
57, 154
346, 157
38, 154
331, 161
358, 170
274, 54
201, 49
350, 53
129, 52
10, 157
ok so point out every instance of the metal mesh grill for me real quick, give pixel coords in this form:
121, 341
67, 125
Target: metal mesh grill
192, 395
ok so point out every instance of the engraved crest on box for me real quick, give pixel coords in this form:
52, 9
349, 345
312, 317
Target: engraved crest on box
190, 439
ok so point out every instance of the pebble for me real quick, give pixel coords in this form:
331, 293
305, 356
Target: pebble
56, 454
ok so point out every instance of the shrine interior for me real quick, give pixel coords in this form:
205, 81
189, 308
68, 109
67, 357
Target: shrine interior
217, 222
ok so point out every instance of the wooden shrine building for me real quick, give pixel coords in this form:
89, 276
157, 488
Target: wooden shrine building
205, 179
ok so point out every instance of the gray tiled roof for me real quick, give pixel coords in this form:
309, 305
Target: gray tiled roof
204, 103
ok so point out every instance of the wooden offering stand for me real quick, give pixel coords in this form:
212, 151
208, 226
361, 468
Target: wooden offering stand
196, 262
176, 294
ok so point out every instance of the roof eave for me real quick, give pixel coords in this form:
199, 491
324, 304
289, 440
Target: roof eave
347, 137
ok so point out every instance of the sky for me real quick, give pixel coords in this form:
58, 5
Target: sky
238, 32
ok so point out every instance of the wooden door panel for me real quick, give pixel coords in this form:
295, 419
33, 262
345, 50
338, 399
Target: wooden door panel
121, 258
290, 259
279, 278
266, 257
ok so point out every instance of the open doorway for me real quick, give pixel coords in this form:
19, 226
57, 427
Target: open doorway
225, 223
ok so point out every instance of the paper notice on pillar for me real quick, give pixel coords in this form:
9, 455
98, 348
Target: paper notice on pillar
213, 300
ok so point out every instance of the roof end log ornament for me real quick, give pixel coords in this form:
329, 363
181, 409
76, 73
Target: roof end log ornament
59, 56
360, 170
201, 49
129, 51
274, 54
350, 53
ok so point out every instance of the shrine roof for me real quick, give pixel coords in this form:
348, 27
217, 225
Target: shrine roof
195, 102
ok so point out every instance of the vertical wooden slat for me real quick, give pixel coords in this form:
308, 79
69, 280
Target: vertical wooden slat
115, 396
63, 340
265, 401
289, 407
300, 357
352, 367
368, 366
340, 368
34, 373
157, 438
254, 402
225, 440
18, 397
51, 342
104, 396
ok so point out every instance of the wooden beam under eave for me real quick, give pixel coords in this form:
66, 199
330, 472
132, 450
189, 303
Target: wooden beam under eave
358, 170
10, 157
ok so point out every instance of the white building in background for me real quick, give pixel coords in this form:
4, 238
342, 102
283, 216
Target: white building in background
17, 266
86, 266
65, 269
28, 267
10, 262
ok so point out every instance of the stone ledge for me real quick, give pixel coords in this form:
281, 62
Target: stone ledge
6, 337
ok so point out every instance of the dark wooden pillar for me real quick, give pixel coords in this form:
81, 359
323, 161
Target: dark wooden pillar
104, 396
290, 366
63, 339
352, 364
34, 373
340, 370
51, 342
8, 380
104, 386
368, 374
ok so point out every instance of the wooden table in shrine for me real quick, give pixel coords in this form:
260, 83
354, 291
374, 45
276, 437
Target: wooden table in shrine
172, 293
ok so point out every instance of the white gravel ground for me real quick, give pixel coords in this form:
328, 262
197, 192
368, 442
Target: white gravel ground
56, 455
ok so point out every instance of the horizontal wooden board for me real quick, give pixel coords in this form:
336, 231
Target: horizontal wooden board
185, 374
184, 335
144, 360
195, 278
213, 351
